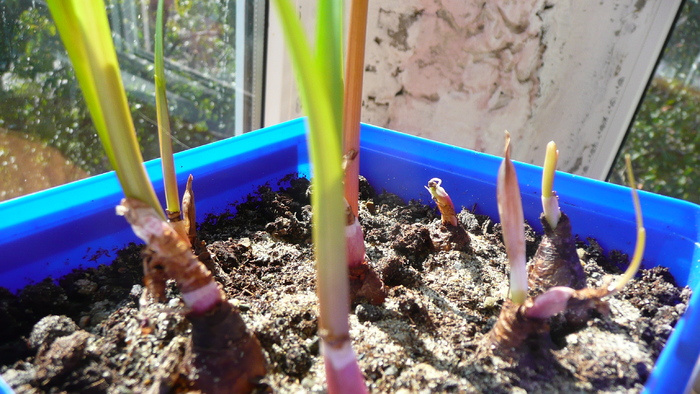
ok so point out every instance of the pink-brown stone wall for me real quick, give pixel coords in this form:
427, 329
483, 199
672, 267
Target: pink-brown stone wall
459, 72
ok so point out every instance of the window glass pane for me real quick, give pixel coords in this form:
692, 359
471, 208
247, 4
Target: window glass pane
663, 141
46, 134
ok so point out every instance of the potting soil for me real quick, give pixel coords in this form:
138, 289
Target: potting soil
95, 331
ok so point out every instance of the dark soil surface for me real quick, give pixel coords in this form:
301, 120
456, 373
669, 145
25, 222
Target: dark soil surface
93, 331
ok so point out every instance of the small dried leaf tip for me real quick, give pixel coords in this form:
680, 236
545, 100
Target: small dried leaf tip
443, 201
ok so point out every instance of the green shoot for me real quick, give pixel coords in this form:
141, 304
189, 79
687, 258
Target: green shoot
329, 58
510, 210
354, 73
324, 147
84, 30
217, 326
550, 204
172, 198
641, 233
319, 79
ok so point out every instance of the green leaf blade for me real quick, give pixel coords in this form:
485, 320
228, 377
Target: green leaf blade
84, 30
172, 196
329, 54
325, 148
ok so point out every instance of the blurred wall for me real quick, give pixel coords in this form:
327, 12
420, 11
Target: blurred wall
462, 72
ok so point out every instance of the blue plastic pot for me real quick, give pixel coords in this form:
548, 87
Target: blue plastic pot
51, 232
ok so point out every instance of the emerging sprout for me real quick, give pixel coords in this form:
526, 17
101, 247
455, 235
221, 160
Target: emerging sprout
224, 354
189, 212
641, 233
449, 236
520, 316
443, 201
510, 210
556, 262
550, 203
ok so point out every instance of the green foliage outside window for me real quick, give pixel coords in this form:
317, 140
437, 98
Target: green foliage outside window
663, 141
